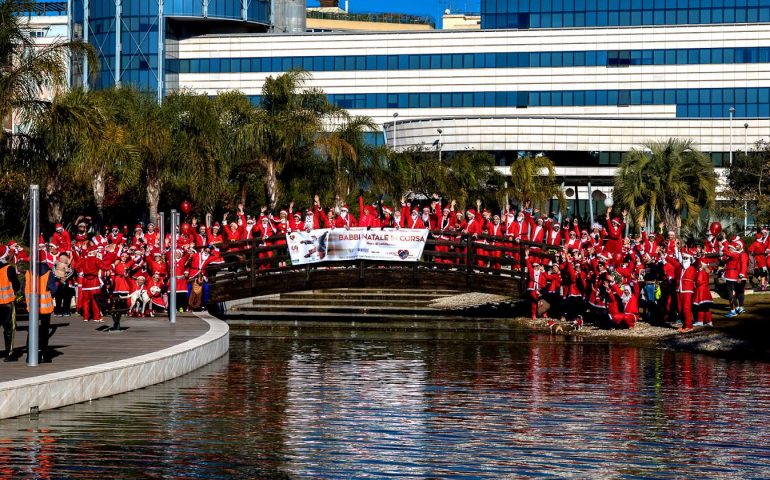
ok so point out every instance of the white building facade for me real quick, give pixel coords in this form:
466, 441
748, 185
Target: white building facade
582, 96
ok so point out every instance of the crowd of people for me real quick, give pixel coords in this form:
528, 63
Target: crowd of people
574, 271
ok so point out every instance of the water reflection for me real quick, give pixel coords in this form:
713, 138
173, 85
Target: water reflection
303, 407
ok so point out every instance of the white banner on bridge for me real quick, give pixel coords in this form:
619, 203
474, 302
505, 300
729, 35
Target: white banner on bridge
336, 245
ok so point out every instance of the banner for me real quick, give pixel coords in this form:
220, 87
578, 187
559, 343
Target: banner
336, 245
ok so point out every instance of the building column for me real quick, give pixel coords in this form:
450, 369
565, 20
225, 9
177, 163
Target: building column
161, 49
244, 10
86, 28
118, 44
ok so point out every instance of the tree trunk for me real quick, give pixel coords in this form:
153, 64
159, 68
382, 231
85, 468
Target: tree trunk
153, 197
242, 191
53, 199
99, 190
271, 182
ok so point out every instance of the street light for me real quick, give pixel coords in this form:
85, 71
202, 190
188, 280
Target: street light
439, 143
732, 112
395, 131
746, 157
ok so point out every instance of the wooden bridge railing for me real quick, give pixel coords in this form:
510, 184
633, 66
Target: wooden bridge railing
454, 261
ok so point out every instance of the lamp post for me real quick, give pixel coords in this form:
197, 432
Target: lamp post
172, 268
746, 156
732, 112
34, 271
395, 129
439, 143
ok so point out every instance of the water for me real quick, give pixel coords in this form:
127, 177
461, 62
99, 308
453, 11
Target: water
302, 406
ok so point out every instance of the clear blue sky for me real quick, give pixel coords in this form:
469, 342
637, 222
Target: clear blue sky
432, 8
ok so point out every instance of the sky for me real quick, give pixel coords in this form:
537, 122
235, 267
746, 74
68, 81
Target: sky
432, 8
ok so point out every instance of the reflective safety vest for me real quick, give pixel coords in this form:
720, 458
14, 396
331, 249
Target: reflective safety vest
46, 300
6, 289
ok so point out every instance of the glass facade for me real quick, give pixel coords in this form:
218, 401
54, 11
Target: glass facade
140, 26
523, 14
451, 61
690, 103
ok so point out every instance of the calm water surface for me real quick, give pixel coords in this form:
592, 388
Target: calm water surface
303, 406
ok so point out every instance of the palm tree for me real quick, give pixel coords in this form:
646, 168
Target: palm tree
55, 140
346, 150
107, 156
288, 126
671, 177
31, 73
533, 182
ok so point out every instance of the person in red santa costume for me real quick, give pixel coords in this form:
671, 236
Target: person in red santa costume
703, 298
536, 283
156, 263
758, 250
138, 238
61, 238
139, 297
685, 289
474, 228
265, 230
345, 219
122, 282
414, 221
180, 266
496, 232
734, 276
613, 233
89, 267
115, 237
151, 236
295, 223
623, 303
444, 225
156, 288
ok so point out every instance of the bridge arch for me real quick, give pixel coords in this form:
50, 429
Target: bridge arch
255, 267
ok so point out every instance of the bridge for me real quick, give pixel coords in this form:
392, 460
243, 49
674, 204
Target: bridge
257, 267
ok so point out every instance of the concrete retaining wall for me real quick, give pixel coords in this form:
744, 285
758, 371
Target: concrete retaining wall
55, 390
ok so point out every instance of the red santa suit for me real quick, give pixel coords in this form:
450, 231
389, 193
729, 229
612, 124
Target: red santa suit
121, 277
156, 288
151, 238
537, 281
613, 235
496, 230
703, 298
61, 238
414, 221
89, 267
623, 304
345, 220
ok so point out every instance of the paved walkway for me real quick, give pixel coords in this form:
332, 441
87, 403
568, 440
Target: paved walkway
81, 344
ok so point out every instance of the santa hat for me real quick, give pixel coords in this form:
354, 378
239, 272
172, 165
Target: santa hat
150, 224
596, 226
115, 227
308, 212
59, 227
344, 208
485, 212
141, 276
616, 220
584, 232
386, 210
416, 210
284, 212
12, 244
472, 212
41, 241
556, 225
216, 225
297, 215
137, 227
